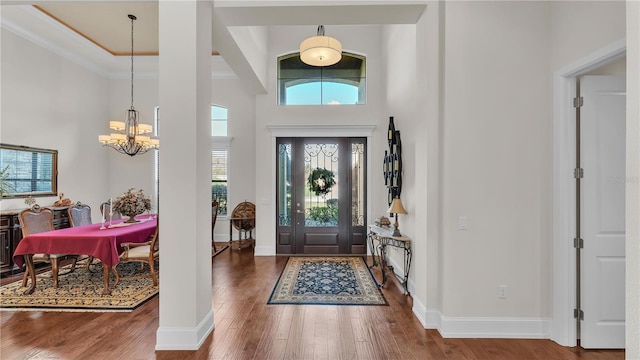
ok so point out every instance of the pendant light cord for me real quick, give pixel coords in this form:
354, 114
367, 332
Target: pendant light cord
132, 17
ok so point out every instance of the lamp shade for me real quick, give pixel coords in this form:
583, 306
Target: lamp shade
320, 50
396, 207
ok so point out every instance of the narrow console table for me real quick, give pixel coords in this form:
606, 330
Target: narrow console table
379, 239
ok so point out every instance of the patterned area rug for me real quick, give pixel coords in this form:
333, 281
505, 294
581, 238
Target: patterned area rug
80, 290
326, 281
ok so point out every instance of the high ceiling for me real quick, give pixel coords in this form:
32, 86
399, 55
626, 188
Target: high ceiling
97, 34
108, 25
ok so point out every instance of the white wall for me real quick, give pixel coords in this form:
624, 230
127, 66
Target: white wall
286, 39
401, 98
496, 156
580, 27
233, 95
49, 102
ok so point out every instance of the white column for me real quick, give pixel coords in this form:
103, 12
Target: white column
186, 316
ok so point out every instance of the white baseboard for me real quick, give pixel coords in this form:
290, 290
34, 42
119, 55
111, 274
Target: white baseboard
181, 338
430, 319
504, 328
264, 251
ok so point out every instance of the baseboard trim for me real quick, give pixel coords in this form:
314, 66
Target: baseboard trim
182, 338
501, 328
264, 251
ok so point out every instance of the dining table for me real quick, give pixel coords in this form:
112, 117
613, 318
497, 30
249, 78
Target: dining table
100, 241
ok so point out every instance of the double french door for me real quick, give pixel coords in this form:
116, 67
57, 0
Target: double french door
321, 192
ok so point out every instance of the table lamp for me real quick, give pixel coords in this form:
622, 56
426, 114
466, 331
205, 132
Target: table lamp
396, 208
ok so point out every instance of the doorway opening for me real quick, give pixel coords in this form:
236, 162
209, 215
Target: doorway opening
563, 328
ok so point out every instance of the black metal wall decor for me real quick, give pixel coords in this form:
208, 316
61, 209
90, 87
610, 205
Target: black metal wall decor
392, 167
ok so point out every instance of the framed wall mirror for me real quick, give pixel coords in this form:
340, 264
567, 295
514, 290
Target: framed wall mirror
27, 171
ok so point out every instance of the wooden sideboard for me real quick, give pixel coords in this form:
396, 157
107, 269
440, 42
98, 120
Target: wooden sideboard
11, 234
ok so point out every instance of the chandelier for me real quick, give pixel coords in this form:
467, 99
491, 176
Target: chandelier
130, 137
320, 50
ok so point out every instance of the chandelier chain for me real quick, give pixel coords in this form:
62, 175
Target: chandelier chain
132, 18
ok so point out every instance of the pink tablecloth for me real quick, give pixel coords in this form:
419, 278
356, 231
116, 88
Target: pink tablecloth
86, 240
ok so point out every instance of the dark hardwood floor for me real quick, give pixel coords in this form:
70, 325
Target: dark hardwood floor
248, 328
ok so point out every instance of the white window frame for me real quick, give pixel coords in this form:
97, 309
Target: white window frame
223, 143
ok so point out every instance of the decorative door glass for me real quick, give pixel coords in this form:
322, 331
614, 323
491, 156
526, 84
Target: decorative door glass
321, 191
357, 184
284, 184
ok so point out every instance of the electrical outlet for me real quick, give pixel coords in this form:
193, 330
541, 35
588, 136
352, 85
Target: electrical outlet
502, 291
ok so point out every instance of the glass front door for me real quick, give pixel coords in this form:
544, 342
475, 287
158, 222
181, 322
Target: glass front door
321, 196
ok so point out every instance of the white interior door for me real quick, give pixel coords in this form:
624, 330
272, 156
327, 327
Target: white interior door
602, 273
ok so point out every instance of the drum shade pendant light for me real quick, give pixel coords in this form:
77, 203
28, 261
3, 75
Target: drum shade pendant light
130, 137
320, 50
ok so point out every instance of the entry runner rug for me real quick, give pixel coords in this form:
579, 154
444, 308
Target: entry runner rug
326, 281
81, 290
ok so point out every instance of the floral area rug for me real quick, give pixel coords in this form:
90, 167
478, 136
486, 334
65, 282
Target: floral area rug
81, 290
326, 281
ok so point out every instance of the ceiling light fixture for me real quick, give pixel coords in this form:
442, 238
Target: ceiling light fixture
130, 137
320, 50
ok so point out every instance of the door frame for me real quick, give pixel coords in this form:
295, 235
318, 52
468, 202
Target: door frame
301, 130
563, 329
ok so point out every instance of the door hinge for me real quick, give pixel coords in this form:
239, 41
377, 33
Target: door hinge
578, 314
578, 243
578, 173
578, 102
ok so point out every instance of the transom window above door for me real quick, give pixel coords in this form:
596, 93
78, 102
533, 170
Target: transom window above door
343, 83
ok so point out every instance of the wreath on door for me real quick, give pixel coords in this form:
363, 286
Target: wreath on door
320, 181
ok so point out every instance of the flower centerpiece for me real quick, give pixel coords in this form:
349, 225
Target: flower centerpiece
132, 203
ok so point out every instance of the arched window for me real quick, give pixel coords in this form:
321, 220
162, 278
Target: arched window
343, 83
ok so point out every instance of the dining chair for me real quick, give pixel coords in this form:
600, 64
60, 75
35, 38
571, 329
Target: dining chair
214, 215
35, 220
104, 210
144, 253
79, 214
